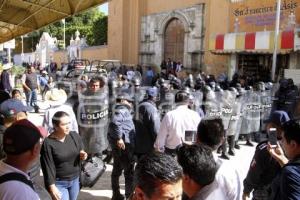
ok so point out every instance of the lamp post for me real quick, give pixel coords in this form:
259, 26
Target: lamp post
276, 39
22, 54
64, 38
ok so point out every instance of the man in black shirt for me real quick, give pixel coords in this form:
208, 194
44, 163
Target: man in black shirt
263, 167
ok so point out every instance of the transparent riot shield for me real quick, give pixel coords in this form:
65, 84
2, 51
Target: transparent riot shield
166, 102
266, 107
93, 119
197, 101
212, 105
251, 117
227, 102
241, 99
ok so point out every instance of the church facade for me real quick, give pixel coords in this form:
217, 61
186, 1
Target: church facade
149, 31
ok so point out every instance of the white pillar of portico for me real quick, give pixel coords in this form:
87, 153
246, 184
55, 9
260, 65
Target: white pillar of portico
232, 66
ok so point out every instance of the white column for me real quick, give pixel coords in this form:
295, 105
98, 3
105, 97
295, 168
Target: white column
232, 67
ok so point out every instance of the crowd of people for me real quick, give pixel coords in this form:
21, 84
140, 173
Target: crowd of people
171, 137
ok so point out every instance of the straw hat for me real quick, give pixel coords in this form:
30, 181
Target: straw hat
7, 66
56, 97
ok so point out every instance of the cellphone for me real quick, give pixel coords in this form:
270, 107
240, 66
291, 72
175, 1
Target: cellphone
190, 136
273, 136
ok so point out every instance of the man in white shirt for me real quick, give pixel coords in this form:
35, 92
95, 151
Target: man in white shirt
21, 143
175, 124
199, 171
211, 132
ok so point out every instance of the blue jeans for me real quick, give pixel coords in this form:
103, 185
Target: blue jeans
31, 97
68, 189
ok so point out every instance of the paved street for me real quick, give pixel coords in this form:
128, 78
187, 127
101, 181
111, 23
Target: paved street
102, 191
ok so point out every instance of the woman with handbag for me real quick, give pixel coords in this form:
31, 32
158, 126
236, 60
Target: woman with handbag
61, 153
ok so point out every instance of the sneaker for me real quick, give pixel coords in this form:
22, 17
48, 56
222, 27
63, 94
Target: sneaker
117, 196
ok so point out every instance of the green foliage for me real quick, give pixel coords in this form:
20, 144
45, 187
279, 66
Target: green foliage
100, 31
18, 71
84, 22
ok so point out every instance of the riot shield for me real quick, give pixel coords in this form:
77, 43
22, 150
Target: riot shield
212, 105
266, 107
93, 119
241, 99
197, 101
251, 114
166, 102
227, 102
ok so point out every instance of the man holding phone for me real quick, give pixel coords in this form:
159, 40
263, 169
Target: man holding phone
263, 167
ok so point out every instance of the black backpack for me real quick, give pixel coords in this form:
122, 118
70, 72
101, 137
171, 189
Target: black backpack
14, 176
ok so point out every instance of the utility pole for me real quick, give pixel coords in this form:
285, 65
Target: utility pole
276, 39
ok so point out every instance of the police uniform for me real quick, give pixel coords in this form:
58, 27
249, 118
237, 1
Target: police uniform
122, 127
262, 171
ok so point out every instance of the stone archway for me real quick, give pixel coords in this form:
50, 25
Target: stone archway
174, 40
184, 26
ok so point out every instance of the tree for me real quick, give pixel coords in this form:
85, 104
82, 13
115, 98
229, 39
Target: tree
100, 31
91, 24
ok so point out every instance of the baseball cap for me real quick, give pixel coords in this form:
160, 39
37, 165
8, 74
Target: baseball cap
278, 117
20, 137
13, 106
152, 91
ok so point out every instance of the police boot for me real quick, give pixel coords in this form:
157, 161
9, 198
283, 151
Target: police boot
117, 196
224, 154
231, 145
248, 138
36, 108
236, 145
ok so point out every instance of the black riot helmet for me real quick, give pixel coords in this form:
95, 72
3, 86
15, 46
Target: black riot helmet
189, 82
175, 83
160, 82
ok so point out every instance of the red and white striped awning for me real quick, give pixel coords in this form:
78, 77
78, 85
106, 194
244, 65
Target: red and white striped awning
256, 42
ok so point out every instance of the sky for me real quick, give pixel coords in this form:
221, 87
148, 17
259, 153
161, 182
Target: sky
104, 8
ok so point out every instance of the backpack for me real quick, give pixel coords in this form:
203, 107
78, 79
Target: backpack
14, 176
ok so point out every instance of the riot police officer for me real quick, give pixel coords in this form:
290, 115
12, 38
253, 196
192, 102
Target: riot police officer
121, 136
93, 115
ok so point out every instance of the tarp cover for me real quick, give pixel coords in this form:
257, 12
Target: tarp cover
18, 17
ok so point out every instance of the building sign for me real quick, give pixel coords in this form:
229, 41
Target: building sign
258, 15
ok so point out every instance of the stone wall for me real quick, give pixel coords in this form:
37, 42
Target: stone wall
152, 35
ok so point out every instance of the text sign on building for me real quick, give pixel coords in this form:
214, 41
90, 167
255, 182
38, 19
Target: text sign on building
259, 15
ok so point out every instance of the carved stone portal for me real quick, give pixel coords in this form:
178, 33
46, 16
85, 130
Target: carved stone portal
189, 32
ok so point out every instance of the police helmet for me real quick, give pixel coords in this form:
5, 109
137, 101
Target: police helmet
218, 88
160, 82
176, 83
124, 96
136, 81
206, 89
269, 85
234, 91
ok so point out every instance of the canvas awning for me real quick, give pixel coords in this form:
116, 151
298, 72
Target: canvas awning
256, 42
18, 17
